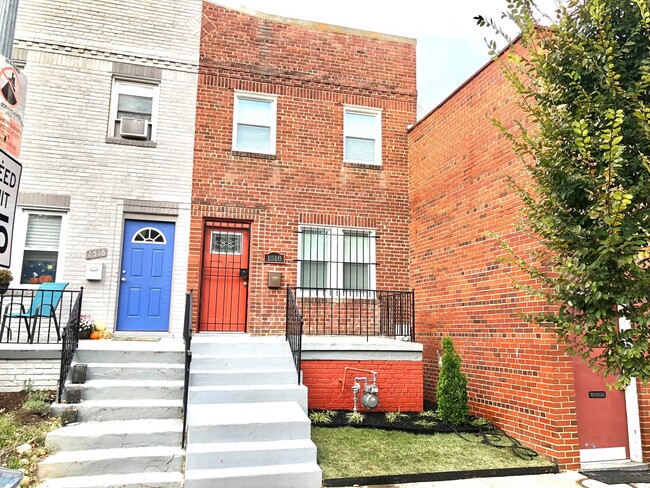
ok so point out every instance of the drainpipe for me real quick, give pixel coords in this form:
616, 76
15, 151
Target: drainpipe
8, 12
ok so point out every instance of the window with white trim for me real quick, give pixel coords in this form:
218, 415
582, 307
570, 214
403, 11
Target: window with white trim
362, 135
336, 258
134, 110
38, 246
254, 123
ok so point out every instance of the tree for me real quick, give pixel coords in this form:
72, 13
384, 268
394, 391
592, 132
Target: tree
584, 84
451, 392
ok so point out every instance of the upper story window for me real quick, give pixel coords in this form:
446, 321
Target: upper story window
134, 110
254, 123
362, 135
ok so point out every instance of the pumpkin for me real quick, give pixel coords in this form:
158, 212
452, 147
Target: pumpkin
33, 280
95, 334
45, 279
100, 325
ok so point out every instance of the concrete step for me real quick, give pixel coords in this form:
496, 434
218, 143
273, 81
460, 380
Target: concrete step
246, 422
249, 394
104, 410
238, 345
241, 454
277, 376
136, 371
116, 434
131, 480
306, 475
259, 361
125, 356
111, 461
130, 389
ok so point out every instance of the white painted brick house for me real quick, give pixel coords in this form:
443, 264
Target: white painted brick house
107, 143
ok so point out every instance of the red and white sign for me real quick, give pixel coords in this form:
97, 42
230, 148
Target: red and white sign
13, 89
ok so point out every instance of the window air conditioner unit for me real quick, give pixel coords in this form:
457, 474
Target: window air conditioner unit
134, 128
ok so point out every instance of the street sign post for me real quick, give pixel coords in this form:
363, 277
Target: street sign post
10, 171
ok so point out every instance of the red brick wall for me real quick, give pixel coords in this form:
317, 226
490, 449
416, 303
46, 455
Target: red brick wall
518, 376
330, 385
314, 70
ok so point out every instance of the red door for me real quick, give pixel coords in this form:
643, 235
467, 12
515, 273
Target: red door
224, 277
601, 415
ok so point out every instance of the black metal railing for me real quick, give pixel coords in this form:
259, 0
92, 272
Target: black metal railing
36, 316
70, 341
336, 311
187, 338
294, 322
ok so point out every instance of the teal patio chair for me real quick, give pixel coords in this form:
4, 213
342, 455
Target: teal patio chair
44, 304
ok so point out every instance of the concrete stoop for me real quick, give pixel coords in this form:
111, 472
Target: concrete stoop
247, 421
129, 425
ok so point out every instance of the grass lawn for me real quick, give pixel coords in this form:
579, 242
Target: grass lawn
347, 452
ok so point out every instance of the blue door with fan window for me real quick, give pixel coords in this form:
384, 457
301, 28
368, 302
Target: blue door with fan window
146, 276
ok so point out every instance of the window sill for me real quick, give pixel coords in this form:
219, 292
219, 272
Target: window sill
254, 155
130, 142
376, 167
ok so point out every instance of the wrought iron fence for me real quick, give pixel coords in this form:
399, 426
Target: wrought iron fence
187, 337
70, 341
336, 311
294, 329
35, 316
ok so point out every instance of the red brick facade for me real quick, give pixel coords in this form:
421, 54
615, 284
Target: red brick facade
518, 375
330, 384
314, 71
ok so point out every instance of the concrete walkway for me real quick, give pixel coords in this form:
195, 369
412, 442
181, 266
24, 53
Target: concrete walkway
567, 479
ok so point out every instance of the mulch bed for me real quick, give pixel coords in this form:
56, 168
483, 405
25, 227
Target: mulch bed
412, 423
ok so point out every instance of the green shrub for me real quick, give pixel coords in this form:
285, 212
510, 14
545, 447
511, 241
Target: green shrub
355, 417
323, 417
37, 402
452, 387
395, 416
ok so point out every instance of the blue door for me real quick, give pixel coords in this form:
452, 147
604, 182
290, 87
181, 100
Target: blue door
146, 276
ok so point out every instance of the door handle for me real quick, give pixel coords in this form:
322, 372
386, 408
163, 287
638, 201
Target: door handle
245, 283
123, 279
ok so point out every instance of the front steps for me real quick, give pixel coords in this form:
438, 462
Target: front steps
247, 422
130, 419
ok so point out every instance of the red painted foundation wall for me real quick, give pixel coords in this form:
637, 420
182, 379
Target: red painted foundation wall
330, 386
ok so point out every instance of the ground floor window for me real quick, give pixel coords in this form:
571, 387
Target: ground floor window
336, 258
37, 249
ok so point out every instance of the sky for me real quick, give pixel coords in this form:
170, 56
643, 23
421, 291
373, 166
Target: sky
450, 46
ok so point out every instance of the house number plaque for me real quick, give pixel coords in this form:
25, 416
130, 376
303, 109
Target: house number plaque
97, 253
274, 258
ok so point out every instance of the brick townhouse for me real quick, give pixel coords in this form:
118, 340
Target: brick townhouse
107, 155
301, 180
519, 376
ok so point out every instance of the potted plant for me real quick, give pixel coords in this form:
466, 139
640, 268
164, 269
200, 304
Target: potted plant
86, 326
6, 277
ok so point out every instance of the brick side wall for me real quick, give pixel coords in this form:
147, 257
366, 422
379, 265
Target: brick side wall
42, 374
518, 376
330, 385
314, 71
644, 414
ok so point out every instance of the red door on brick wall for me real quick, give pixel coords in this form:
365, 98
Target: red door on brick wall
601, 416
224, 277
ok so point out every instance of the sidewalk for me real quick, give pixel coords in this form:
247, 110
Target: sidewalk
567, 479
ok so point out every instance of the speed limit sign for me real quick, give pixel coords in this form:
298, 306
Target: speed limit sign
10, 171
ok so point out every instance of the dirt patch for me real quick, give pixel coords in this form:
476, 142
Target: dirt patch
13, 401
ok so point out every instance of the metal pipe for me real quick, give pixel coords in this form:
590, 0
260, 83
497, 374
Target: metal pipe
8, 13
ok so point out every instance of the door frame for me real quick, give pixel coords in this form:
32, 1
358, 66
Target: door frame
118, 264
249, 228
